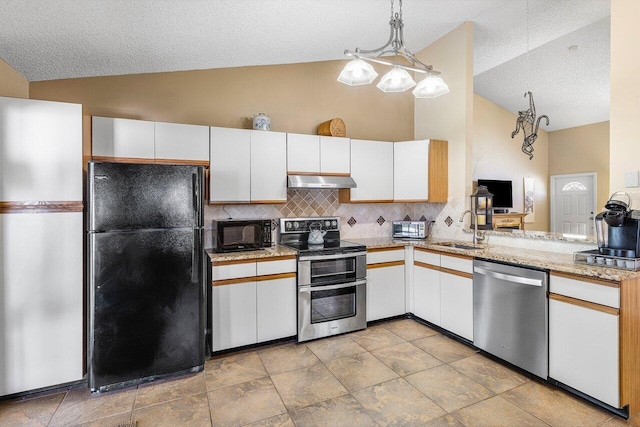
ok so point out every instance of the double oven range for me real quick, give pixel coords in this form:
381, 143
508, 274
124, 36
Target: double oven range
332, 278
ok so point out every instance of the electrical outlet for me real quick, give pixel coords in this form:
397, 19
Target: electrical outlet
631, 179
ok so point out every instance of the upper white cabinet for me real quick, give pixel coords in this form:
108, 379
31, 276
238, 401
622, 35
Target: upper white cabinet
175, 141
122, 138
230, 170
313, 154
41, 150
372, 170
335, 155
303, 153
248, 166
268, 167
411, 171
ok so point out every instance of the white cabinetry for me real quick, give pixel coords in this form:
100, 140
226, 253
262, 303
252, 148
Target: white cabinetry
176, 141
372, 170
122, 138
253, 301
303, 153
41, 250
385, 283
313, 154
584, 338
411, 170
268, 167
443, 291
230, 172
116, 139
335, 155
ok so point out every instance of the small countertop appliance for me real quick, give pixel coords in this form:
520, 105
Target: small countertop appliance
618, 228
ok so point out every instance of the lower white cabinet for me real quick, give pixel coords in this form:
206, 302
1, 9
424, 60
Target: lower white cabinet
234, 315
456, 304
276, 308
584, 350
253, 302
385, 292
426, 294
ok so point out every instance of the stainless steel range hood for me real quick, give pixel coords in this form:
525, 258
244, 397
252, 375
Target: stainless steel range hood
317, 181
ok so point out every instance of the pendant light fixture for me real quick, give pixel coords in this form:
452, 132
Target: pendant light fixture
359, 72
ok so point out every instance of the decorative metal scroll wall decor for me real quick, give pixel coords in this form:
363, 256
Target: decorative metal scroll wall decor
525, 121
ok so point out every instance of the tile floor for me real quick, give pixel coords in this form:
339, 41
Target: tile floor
397, 373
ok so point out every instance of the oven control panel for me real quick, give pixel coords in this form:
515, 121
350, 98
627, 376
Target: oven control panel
302, 225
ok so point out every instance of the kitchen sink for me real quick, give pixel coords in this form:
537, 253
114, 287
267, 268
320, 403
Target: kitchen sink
456, 245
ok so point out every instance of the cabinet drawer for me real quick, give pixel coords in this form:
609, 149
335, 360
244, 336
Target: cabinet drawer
234, 271
264, 268
454, 263
394, 254
426, 257
604, 294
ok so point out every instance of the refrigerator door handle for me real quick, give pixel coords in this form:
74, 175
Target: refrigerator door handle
195, 257
196, 192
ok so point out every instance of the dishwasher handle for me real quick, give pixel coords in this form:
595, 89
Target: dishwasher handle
508, 277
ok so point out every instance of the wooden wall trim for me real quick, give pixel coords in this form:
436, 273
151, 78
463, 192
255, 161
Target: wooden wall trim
595, 281
456, 272
204, 163
468, 257
425, 265
384, 264
229, 202
233, 281
585, 304
122, 159
410, 200
268, 202
438, 171
275, 276
41, 206
630, 345
432, 251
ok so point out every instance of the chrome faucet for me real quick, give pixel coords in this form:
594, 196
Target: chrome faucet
476, 236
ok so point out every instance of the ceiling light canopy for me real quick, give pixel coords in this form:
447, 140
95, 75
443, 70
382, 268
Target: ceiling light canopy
360, 72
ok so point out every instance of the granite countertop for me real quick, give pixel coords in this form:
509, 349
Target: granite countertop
274, 251
560, 262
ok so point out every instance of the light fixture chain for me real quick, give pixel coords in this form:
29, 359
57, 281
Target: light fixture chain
392, 10
400, 4
528, 76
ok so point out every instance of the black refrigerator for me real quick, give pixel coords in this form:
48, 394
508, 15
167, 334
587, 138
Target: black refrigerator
145, 265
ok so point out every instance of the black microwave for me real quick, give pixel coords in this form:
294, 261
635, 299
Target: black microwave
231, 235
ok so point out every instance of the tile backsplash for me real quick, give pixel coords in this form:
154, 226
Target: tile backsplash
359, 220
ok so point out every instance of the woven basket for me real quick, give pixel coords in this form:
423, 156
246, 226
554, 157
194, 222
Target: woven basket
333, 127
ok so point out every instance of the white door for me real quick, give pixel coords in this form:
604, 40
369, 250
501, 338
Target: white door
573, 203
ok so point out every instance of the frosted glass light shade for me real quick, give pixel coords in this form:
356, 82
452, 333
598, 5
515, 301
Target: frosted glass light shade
357, 72
431, 87
396, 80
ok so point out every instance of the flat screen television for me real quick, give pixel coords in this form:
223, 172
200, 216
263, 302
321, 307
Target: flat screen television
502, 192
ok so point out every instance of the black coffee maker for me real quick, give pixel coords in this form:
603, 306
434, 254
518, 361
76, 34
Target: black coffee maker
618, 228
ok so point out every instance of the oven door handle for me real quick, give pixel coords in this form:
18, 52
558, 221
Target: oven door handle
308, 289
335, 256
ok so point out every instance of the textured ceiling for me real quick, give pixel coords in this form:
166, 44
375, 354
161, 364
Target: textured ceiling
47, 40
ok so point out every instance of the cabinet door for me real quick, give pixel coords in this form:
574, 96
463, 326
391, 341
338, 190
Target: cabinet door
335, 155
230, 170
456, 304
122, 138
175, 141
372, 170
41, 304
40, 150
268, 167
303, 153
385, 292
276, 309
583, 350
426, 294
233, 311
411, 170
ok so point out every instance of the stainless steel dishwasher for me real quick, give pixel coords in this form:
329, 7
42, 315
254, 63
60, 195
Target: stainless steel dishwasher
510, 314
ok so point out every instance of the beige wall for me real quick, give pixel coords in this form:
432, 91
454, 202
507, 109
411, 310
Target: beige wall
12, 83
297, 97
497, 156
625, 92
449, 117
582, 149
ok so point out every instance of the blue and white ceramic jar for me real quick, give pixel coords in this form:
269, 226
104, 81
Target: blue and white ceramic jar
261, 122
